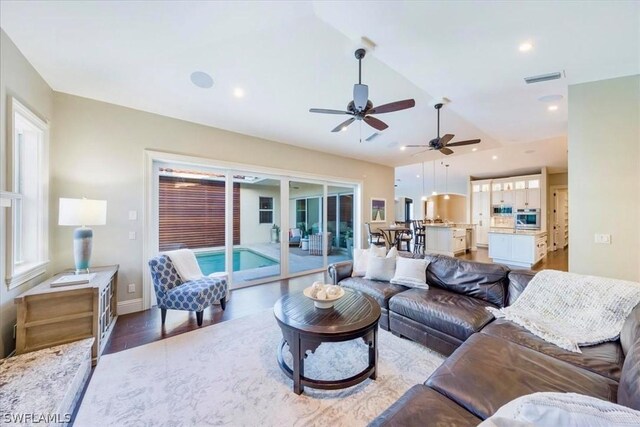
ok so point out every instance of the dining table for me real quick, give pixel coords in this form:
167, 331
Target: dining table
392, 234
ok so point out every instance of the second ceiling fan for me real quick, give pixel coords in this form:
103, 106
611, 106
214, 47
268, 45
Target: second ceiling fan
361, 108
442, 144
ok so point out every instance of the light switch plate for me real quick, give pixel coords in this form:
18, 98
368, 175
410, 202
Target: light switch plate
133, 215
132, 235
603, 239
132, 288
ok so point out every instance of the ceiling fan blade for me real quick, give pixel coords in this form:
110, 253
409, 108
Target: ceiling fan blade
360, 96
343, 125
448, 137
445, 150
417, 146
325, 111
393, 106
375, 123
467, 142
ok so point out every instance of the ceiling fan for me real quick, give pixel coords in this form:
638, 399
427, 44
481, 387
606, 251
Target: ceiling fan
442, 144
361, 107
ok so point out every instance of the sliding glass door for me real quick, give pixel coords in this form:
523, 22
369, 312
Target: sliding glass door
237, 222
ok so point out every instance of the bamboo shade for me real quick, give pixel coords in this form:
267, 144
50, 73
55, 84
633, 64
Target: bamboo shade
191, 213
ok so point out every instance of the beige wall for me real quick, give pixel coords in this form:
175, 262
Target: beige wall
604, 177
97, 152
20, 80
452, 210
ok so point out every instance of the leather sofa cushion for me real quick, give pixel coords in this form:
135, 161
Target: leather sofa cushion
518, 281
629, 389
630, 330
457, 315
380, 291
487, 282
421, 406
604, 359
486, 372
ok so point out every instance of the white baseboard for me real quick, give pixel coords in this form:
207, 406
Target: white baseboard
130, 306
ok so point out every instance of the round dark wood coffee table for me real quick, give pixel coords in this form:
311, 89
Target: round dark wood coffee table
305, 327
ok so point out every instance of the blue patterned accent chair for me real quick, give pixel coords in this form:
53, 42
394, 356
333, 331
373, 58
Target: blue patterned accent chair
194, 295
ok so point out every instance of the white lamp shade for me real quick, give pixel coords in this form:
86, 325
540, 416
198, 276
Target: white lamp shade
82, 212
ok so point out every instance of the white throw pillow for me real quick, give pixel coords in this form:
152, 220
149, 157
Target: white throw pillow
411, 272
562, 409
361, 257
393, 253
379, 268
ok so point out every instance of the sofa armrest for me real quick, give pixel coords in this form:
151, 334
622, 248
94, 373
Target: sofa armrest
518, 281
339, 271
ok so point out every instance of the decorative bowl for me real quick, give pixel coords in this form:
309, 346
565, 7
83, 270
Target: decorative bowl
323, 302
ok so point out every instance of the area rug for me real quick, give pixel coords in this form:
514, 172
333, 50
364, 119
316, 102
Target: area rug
227, 374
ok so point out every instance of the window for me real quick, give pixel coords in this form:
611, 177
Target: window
266, 210
29, 178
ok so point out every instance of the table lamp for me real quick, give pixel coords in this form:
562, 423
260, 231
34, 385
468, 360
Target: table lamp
82, 212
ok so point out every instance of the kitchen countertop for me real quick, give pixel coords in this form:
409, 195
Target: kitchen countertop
537, 233
451, 225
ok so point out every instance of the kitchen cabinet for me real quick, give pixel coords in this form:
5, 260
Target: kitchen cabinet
520, 249
446, 240
502, 193
527, 193
481, 210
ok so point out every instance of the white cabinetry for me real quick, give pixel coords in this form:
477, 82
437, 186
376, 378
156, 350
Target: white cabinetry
521, 250
502, 193
481, 210
527, 193
446, 240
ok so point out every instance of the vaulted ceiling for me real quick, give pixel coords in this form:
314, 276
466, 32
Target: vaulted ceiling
290, 56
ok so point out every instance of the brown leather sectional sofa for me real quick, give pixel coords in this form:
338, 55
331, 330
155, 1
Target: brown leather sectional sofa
491, 362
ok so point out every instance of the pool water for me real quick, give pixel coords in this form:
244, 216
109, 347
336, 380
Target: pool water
243, 259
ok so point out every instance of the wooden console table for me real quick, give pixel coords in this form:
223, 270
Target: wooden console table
52, 316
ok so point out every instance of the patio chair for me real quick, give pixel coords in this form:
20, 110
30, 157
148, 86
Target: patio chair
194, 295
294, 236
315, 243
375, 238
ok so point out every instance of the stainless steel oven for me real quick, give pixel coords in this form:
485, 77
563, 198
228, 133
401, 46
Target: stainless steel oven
527, 219
502, 210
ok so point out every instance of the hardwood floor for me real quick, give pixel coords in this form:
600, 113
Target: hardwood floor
557, 260
144, 327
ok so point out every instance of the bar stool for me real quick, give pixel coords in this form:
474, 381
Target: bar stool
419, 233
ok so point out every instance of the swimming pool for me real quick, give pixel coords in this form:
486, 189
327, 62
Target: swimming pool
243, 259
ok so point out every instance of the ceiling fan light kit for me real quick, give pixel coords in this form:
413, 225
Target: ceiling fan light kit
361, 108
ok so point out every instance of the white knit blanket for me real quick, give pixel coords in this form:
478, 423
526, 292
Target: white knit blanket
570, 310
186, 264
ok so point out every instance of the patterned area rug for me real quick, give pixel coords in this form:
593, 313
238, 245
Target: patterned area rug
227, 374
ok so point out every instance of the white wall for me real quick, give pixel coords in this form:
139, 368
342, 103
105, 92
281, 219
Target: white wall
251, 231
604, 177
98, 152
20, 80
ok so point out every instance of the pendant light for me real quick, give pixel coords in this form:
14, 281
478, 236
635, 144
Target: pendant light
434, 192
446, 183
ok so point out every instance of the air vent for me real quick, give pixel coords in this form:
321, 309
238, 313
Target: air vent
543, 78
372, 136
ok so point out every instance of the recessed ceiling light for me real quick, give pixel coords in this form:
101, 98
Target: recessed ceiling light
474, 149
525, 47
417, 176
201, 79
403, 148
494, 157
238, 92
552, 108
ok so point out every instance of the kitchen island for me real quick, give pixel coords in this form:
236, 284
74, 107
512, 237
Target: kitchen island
519, 248
449, 239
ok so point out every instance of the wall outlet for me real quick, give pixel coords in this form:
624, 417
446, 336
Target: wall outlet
132, 235
133, 215
132, 288
603, 239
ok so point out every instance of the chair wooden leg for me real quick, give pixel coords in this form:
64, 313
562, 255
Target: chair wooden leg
163, 314
199, 317
223, 303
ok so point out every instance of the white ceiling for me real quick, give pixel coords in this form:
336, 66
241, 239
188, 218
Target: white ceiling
290, 56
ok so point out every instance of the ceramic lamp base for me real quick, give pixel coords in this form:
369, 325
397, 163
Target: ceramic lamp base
82, 243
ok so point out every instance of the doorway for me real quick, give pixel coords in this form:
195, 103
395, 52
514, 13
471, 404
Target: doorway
408, 209
560, 219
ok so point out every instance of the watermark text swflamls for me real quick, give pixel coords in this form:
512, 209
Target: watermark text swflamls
34, 418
